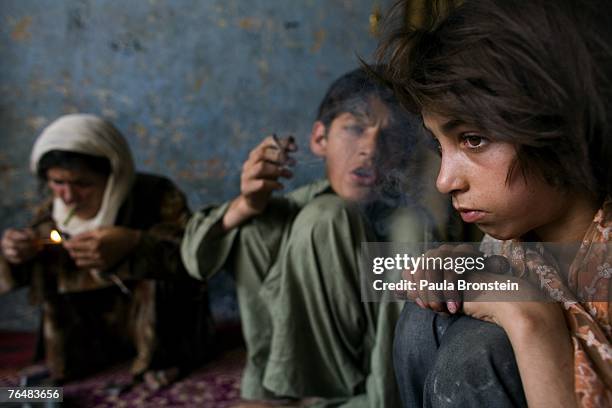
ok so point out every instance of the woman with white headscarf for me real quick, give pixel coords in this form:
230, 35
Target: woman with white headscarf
116, 282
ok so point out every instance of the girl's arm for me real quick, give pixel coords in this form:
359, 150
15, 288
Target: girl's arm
542, 347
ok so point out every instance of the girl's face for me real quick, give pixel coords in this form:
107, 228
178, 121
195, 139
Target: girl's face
474, 170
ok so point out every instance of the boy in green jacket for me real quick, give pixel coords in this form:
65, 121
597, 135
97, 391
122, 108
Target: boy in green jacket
310, 338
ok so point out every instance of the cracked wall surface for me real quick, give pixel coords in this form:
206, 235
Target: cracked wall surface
192, 84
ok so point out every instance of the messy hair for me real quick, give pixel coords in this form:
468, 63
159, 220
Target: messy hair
354, 93
534, 73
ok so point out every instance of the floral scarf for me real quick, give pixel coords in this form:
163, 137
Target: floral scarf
589, 320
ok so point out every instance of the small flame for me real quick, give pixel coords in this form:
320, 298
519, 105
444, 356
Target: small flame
55, 236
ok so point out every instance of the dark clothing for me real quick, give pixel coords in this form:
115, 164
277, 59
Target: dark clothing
454, 361
297, 265
88, 322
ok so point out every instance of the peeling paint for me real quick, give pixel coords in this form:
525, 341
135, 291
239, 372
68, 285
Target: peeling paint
170, 164
36, 123
319, 38
186, 82
263, 67
193, 85
178, 137
109, 113
62, 89
21, 30
76, 20
214, 168
293, 44
250, 23
140, 130
103, 95
198, 84
38, 85
290, 25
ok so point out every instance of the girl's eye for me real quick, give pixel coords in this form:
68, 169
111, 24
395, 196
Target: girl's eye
473, 141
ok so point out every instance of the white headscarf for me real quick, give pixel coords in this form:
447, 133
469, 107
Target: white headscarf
88, 134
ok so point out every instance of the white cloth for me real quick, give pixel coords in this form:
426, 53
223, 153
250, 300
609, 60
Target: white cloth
88, 134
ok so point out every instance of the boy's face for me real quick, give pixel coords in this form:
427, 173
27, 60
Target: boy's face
473, 171
349, 147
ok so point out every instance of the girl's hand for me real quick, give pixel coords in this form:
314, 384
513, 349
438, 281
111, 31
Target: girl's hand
445, 301
501, 307
492, 312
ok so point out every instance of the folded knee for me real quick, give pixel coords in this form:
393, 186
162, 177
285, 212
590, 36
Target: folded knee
476, 366
414, 329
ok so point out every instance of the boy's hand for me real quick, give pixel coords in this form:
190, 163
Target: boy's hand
260, 173
102, 248
19, 246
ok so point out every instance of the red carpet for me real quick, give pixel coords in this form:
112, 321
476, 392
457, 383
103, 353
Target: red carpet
216, 384
16, 352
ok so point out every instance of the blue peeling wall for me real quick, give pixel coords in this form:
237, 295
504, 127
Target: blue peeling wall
192, 84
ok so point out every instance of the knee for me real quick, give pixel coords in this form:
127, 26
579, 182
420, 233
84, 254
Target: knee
494, 351
414, 330
477, 365
325, 236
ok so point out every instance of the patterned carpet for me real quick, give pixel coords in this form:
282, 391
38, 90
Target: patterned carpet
216, 384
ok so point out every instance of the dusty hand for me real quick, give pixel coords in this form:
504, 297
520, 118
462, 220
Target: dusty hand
19, 246
261, 171
102, 248
487, 311
500, 306
444, 301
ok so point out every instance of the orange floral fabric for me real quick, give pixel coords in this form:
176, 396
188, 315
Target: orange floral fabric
585, 295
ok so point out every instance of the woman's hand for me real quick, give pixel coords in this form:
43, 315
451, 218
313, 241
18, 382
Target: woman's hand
19, 245
102, 248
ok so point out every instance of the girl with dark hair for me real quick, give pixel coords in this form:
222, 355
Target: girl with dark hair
116, 284
516, 96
